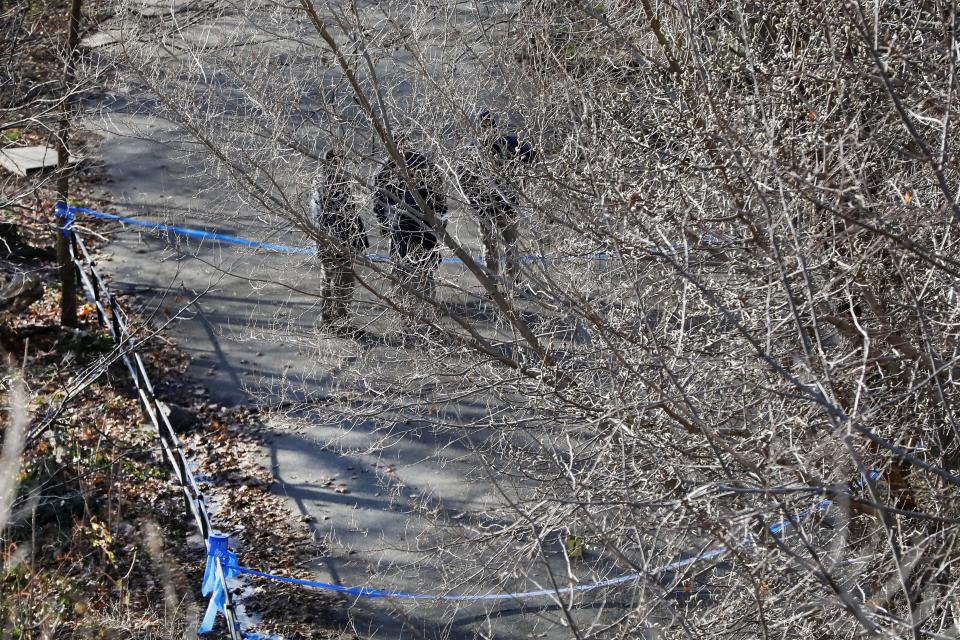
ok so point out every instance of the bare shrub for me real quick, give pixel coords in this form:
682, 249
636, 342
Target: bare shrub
774, 189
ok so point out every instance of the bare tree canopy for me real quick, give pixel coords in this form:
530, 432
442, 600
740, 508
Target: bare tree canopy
731, 290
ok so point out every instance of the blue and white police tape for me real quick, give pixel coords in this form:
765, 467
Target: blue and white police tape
219, 549
213, 586
68, 214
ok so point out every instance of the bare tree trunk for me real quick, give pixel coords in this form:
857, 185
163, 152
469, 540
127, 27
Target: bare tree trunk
68, 282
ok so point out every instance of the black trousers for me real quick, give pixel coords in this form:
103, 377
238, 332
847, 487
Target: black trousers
416, 257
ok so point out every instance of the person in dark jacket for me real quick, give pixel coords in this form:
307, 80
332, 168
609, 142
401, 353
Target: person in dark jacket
342, 235
488, 180
410, 205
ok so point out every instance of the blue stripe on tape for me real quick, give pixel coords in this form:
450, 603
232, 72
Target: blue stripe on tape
213, 585
777, 528
68, 213
370, 592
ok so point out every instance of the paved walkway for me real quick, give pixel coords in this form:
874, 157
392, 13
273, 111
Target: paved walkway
377, 497
254, 344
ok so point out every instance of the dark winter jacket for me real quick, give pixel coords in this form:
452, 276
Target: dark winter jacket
487, 184
397, 202
333, 211
508, 149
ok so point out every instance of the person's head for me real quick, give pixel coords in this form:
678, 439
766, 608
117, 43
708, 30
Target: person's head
402, 141
485, 120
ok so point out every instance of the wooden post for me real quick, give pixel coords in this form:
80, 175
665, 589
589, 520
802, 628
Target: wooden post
68, 280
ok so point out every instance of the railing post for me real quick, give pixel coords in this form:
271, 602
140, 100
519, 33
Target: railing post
117, 335
95, 283
203, 519
219, 550
68, 281
219, 543
72, 251
73, 245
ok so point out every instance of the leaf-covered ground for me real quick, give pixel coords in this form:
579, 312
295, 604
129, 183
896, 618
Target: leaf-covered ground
101, 544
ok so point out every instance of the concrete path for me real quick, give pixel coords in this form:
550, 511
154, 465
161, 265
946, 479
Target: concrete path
377, 505
384, 501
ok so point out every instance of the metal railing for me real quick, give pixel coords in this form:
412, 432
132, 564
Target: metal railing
113, 318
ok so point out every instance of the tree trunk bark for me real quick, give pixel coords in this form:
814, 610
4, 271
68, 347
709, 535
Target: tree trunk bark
68, 280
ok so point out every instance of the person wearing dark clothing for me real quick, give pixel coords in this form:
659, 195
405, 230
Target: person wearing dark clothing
488, 182
342, 235
409, 210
